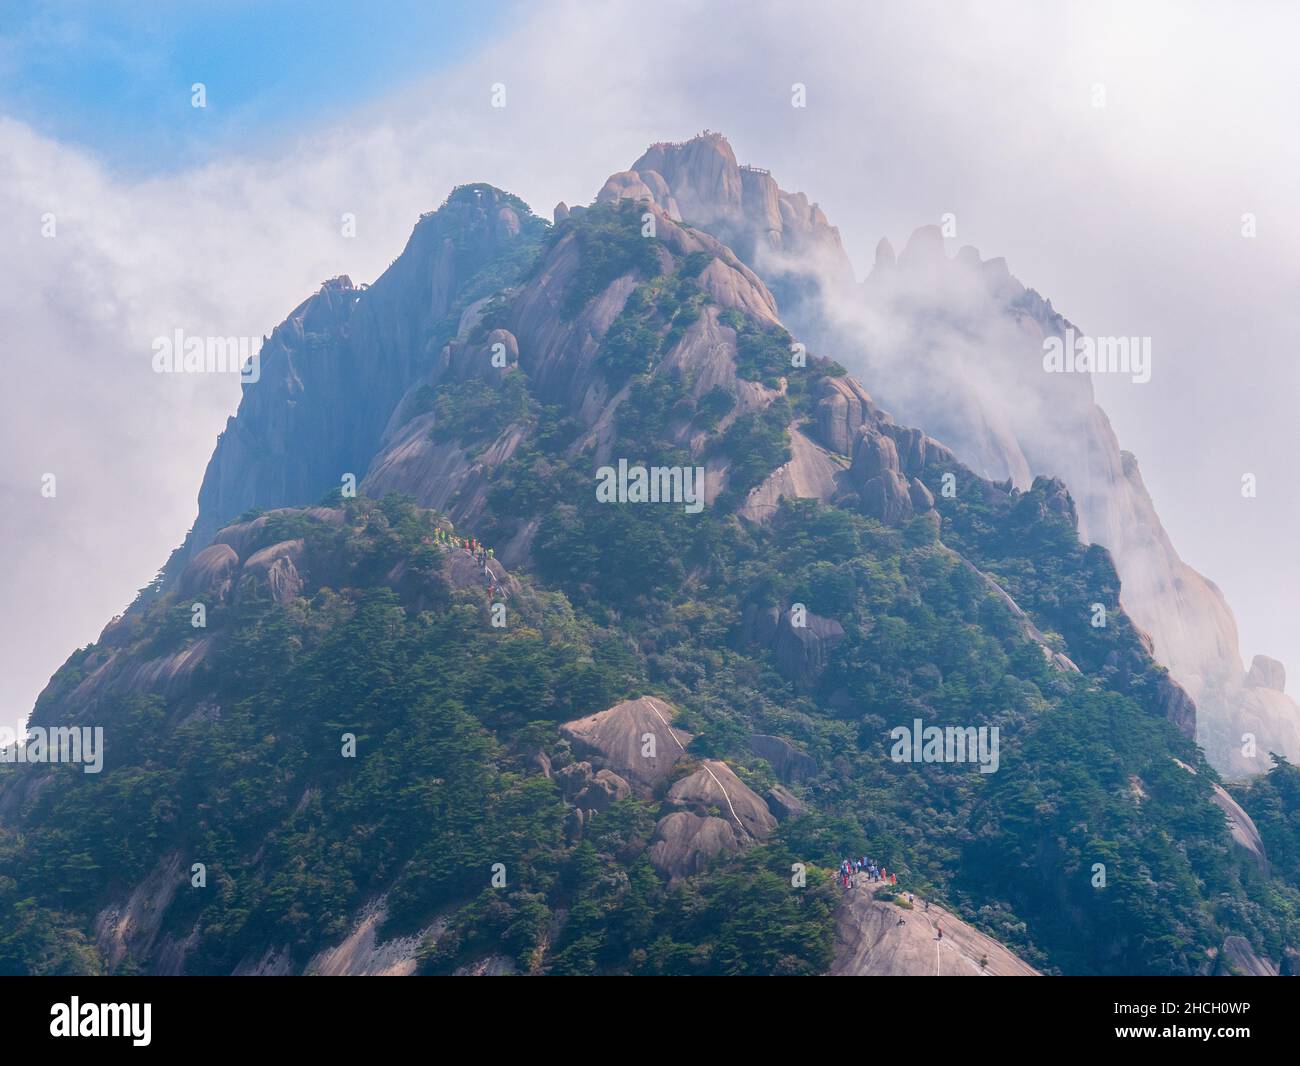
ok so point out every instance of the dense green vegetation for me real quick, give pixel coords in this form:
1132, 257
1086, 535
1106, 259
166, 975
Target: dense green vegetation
610, 245
478, 410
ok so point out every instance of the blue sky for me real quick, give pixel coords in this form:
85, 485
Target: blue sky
114, 76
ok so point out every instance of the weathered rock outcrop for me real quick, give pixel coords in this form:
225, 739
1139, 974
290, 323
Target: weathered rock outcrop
590, 790
275, 568
1266, 673
1240, 960
684, 843
305, 424
1240, 825
843, 407
812, 473
362, 954
634, 739
210, 572
783, 803
803, 651
788, 762
715, 786
700, 181
874, 938
706, 812
131, 927
884, 491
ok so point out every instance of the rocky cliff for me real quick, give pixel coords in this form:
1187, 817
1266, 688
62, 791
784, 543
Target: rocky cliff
954, 345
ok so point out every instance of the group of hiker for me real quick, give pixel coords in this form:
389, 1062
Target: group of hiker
849, 868
476, 549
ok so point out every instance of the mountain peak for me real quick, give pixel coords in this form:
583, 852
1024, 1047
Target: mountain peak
780, 234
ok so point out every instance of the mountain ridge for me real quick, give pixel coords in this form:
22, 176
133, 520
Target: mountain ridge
848, 573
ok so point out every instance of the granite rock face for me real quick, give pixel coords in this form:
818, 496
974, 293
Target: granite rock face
790, 764
954, 345
715, 786
634, 739
305, 423
684, 843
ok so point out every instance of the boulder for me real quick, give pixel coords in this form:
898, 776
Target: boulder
788, 762
922, 498
882, 489
1176, 705
615, 738
590, 790
684, 843
1242, 827
210, 572
625, 185
783, 803
462, 571
276, 568
843, 406
803, 652
715, 786
506, 338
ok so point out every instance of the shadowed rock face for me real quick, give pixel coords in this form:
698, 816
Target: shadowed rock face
790, 764
307, 421
132, 926
784, 804
803, 652
590, 790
